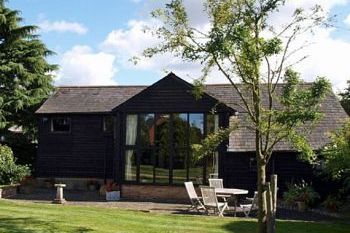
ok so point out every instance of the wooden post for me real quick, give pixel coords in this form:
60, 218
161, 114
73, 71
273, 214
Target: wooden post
274, 190
269, 214
272, 204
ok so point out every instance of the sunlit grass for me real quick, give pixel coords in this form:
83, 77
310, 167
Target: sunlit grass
26, 217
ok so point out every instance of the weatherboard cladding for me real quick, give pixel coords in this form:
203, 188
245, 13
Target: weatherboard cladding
105, 99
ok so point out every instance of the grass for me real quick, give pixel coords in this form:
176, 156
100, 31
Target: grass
27, 217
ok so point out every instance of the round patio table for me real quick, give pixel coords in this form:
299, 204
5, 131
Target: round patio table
231, 192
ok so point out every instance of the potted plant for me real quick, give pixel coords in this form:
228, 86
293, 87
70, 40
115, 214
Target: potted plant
92, 185
27, 185
112, 192
303, 195
332, 203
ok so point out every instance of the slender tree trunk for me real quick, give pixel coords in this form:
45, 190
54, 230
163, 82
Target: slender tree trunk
262, 222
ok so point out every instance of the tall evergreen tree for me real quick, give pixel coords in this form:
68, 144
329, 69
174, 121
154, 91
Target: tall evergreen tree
25, 75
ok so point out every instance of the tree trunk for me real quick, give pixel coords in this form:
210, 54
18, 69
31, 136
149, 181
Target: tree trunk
262, 224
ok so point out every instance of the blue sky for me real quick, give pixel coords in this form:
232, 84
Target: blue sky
93, 40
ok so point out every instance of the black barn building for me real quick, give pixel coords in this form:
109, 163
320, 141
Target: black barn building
140, 137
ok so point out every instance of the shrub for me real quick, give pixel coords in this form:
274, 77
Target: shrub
302, 192
332, 203
10, 172
335, 158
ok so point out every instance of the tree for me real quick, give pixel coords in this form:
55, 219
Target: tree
345, 98
25, 79
237, 44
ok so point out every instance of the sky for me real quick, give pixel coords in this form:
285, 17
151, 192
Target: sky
93, 41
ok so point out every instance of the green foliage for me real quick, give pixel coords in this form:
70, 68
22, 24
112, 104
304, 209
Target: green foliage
337, 153
236, 43
10, 173
210, 144
24, 73
332, 203
302, 192
345, 98
336, 156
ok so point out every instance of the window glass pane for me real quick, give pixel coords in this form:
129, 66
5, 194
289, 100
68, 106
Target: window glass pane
180, 130
146, 130
163, 148
108, 124
162, 131
196, 170
212, 123
130, 165
212, 166
162, 167
131, 129
146, 166
60, 124
179, 166
196, 127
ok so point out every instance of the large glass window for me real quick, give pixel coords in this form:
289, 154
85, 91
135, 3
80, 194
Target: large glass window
130, 165
146, 137
131, 129
196, 123
212, 162
162, 142
157, 147
130, 153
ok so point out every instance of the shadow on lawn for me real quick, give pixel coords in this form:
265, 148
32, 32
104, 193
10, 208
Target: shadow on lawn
20, 225
241, 226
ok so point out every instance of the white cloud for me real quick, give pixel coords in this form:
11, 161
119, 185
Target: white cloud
328, 56
82, 66
62, 26
347, 20
126, 43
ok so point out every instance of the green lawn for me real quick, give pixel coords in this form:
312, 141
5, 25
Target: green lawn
30, 218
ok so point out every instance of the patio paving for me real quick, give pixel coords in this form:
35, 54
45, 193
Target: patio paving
92, 198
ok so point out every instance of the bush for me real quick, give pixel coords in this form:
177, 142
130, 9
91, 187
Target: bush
335, 157
332, 203
300, 193
10, 172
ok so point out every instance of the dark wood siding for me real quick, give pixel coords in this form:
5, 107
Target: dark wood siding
84, 152
239, 170
170, 94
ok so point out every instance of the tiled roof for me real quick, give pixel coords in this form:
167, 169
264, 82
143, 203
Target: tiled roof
243, 139
102, 99
88, 99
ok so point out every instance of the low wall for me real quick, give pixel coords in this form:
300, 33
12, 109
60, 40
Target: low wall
153, 192
71, 183
8, 191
